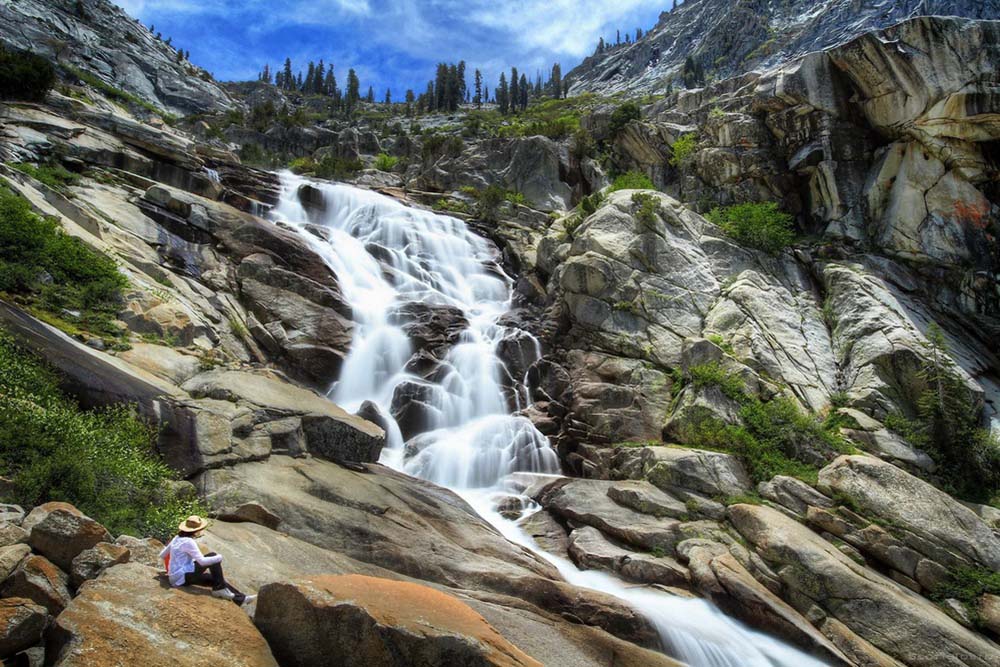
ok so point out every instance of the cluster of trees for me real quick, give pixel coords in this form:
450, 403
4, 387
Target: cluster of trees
606, 45
446, 92
182, 55
319, 79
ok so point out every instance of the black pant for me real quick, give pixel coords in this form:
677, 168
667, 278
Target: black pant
210, 575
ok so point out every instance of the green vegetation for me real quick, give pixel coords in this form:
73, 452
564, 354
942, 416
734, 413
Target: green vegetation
386, 162
329, 167
24, 75
452, 206
947, 426
490, 200
774, 436
621, 117
967, 585
515, 198
55, 176
757, 225
648, 209
49, 271
632, 180
683, 148
117, 94
101, 461
591, 203
721, 342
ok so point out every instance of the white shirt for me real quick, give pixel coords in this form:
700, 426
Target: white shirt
184, 554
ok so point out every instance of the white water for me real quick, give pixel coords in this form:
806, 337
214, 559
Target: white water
472, 442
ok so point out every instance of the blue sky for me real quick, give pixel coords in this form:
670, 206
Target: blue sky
391, 43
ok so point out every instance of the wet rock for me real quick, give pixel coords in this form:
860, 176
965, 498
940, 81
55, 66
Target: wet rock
63, 533
131, 616
89, 564
357, 620
587, 502
430, 327
414, 407
37, 579
589, 549
21, 625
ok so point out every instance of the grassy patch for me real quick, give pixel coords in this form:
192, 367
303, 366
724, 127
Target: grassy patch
632, 180
773, 436
757, 225
329, 167
967, 585
102, 461
117, 94
55, 176
56, 273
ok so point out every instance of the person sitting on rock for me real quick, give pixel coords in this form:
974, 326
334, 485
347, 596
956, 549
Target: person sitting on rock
187, 566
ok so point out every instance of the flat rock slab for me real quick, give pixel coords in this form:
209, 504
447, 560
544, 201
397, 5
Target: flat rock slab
131, 616
358, 621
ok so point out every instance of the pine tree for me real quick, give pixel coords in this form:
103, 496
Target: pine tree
409, 101
524, 90
371, 95
478, 99
515, 90
299, 83
440, 96
600, 45
452, 88
266, 74
538, 85
486, 94
310, 81
463, 87
674, 7
388, 97
319, 81
555, 81
618, 38
353, 94
502, 95
287, 78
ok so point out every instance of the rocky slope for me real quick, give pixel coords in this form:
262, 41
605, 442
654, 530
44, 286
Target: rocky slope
728, 37
100, 39
884, 148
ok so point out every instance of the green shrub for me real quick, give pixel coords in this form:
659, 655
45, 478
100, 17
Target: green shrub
968, 585
101, 461
757, 225
490, 200
584, 145
632, 180
648, 209
516, 198
53, 175
302, 165
334, 167
591, 203
773, 438
55, 272
622, 116
386, 162
24, 75
683, 148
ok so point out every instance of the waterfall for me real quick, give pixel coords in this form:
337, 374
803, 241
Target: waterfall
391, 259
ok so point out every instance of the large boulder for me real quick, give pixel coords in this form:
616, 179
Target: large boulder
10, 557
63, 533
37, 579
711, 473
131, 616
818, 576
356, 621
21, 625
89, 564
940, 526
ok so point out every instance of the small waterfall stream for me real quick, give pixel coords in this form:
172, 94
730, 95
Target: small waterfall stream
386, 256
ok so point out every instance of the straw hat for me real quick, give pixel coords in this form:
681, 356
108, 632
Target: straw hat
193, 524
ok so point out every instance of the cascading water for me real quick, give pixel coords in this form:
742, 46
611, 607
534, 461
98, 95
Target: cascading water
387, 255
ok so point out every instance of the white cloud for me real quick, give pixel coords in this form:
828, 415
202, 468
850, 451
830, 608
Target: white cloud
489, 34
